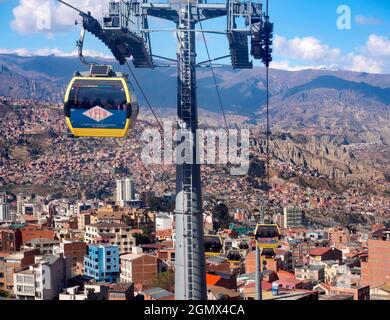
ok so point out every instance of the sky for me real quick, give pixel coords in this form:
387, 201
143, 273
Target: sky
333, 34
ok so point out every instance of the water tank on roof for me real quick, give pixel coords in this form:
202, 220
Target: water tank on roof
275, 288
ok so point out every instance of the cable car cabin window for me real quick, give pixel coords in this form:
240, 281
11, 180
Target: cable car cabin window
267, 232
234, 256
109, 97
213, 245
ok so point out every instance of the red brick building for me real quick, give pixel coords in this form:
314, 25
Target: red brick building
376, 270
267, 263
34, 231
10, 240
121, 292
337, 235
138, 268
358, 292
74, 251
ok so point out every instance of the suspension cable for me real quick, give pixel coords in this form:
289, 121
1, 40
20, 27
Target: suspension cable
72, 7
268, 140
215, 79
267, 63
144, 96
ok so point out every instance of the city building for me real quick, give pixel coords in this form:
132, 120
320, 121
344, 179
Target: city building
90, 292
44, 280
324, 254
158, 294
121, 291
314, 273
113, 233
358, 292
74, 251
10, 239
125, 191
45, 246
34, 231
102, 262
338, 235
164, 221
83, 219
13, 262
376, 270
5, 214
292, 217
138, 268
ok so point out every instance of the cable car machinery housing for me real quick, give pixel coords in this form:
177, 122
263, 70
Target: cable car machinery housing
125, 31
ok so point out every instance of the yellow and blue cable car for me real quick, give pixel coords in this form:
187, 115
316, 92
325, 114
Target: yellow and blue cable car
212, 245
99, 104
267, 236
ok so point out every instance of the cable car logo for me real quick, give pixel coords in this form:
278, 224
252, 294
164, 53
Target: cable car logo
98, 114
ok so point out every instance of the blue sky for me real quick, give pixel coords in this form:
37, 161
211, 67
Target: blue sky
306, 33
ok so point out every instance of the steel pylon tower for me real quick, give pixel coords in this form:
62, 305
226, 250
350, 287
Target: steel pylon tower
190, 273
125, 31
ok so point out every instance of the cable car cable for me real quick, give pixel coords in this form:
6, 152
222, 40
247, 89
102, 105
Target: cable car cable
72, 7
268, 59
144, 95
215, 79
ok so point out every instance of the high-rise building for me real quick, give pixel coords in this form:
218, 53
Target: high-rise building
21, 199
5, 214
3, 197
293, 217
102, 262
125, 191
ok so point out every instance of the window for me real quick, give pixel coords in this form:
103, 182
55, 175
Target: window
111, 96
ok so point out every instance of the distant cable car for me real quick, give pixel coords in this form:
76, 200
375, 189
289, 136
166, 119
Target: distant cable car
234, 255
212, 245
244, 245
99, 104
267, 235
227, 245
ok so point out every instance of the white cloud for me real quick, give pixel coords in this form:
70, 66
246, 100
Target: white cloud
307, 48
377, 47
49, 16
53, 51
373, 57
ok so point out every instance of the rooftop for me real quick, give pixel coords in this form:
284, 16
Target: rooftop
319, 251
121, 287
108, 225
158, 293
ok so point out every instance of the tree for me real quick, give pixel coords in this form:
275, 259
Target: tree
221, 217
164, 280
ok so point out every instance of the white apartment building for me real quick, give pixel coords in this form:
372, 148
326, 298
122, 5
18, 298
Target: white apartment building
42, 281
164, 221
5, 214
125, 191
